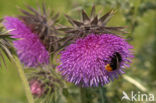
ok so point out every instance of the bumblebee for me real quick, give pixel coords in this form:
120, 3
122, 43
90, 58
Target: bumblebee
114, 63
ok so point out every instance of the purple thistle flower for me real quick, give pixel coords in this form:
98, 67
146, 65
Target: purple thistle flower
29, 48
95, 60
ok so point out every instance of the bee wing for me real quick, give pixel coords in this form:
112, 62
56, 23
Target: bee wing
117, 62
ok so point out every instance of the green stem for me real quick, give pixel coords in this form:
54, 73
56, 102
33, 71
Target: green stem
102, 91
24, 81
83, 95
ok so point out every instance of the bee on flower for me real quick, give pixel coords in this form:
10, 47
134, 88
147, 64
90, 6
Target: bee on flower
96, 54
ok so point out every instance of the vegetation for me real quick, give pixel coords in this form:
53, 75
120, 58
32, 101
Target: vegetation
139, 16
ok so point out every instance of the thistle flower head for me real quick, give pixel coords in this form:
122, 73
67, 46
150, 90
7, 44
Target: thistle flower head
95, 60
29, 48
42, 22
97, 54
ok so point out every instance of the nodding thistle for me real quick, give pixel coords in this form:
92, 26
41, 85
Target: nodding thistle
36, 35
97, 54
30, 50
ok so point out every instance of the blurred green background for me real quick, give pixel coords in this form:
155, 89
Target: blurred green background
140, 18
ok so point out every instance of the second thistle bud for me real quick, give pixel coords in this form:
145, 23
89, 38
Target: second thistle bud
43, 83
36, 88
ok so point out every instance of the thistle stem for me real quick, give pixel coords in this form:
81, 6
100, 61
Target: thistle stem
83, 95
24, 81
102, 91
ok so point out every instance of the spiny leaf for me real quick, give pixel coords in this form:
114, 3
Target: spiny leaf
77, 23
94, 21
108, 17
70, 20
93, 11
85, 17
104, 19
